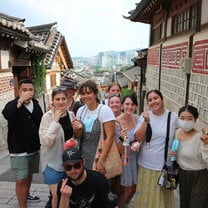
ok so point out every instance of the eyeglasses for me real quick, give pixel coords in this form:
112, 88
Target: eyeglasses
114, 95
76, 166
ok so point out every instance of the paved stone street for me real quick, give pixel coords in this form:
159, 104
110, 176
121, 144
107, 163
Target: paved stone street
7, 188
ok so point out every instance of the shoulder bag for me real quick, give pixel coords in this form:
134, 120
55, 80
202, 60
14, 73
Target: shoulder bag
113, 163
169, 174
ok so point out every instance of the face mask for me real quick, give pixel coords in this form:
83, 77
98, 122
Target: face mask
186, 125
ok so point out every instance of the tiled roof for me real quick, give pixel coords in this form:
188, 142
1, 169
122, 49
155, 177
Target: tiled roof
131, 73
121, 79
76, 76
12, 27
144, 10
51, 37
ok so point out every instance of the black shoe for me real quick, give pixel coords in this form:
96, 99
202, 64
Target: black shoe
32, 198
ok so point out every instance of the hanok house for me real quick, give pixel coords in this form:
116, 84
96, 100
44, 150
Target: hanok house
58, 58
18, 48
177, 60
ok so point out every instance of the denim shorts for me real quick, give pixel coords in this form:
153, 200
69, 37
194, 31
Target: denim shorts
52, 176
22, 166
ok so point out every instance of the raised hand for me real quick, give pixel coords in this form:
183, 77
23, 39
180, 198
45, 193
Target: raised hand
58, 114
145, 115
66, 191
204, 136
26, 95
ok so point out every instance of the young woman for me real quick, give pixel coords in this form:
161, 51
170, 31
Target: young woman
55, 128
93, 115
192, 157
128, 121
114, 102
151, 154
113, 88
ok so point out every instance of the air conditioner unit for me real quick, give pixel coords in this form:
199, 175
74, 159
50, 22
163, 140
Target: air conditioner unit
185, 65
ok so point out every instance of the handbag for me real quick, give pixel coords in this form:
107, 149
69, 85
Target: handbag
169, 178
113, 163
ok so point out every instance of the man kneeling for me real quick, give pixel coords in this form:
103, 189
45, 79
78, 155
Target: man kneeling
81, 187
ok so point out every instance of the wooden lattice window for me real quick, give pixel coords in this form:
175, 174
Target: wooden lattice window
157, 33
186, 20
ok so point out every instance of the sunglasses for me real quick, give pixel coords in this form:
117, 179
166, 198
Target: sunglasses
76, 166
59, 89
114, 95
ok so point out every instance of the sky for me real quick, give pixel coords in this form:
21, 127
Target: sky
89, 26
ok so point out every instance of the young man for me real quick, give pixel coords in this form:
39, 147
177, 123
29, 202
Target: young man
83, 188
24, 115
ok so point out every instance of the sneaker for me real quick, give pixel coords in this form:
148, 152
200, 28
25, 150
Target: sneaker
32, 198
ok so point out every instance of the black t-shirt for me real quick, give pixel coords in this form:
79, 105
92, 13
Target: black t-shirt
67, 126
94, 192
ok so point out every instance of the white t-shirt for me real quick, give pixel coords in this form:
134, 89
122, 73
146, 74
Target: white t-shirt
152, 156
193, 153
88, 116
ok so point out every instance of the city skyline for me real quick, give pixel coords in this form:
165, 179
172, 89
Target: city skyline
89, 27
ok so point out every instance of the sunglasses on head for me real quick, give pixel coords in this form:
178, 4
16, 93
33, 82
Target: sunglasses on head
59, 89
76, 166
114, 95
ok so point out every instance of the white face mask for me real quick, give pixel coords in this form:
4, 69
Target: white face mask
186, 125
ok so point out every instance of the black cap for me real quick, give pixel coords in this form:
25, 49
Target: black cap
72, 155
68, 84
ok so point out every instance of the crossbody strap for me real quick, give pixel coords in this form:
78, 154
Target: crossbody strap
167, 136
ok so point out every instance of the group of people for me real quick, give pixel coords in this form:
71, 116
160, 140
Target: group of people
68, 172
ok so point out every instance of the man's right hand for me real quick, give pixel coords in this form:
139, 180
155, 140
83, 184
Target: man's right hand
66, 191
26, 96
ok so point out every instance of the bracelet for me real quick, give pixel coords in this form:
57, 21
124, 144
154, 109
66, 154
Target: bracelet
146, 120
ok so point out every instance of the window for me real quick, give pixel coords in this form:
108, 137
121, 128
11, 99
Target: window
185, 20
157, 33
4, 59
53, 80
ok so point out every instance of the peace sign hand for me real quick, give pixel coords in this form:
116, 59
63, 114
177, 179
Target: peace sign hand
204, 136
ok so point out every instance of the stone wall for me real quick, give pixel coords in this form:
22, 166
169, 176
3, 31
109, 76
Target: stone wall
4, 98
6, 94
173, 80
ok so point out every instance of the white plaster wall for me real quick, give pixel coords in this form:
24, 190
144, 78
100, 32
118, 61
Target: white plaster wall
204, 13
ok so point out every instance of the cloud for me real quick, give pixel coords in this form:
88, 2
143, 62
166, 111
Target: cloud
88, 26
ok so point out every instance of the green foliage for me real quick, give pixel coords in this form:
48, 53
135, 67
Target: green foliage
126, 91
39, 73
